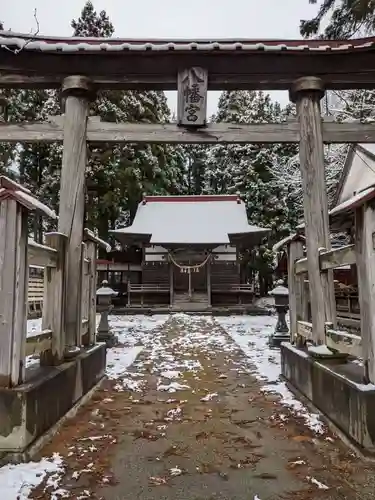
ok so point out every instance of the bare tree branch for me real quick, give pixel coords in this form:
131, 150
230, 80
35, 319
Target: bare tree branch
33, 35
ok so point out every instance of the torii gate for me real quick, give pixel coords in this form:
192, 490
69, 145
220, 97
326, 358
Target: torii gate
81, 66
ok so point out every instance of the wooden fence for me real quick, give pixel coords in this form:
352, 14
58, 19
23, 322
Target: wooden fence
302, 330
49, 341
17, 253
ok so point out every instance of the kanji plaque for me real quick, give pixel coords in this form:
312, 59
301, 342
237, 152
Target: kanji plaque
192, 97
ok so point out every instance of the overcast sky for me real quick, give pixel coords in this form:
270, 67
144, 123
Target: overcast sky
169, 19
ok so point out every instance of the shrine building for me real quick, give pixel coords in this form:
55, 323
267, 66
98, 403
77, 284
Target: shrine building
188, 250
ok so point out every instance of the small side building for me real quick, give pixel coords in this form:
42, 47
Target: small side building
356, 185
191, 249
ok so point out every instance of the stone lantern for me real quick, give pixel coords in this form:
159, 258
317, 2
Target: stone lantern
104, 307
281, 296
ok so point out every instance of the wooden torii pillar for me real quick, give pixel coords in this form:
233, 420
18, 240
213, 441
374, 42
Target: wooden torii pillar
77, 93
307, 93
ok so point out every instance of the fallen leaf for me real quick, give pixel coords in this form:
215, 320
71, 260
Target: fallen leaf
266, 475
157, 481
301, 439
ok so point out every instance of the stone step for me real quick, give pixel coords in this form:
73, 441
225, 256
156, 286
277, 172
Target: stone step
196, 298
190, 306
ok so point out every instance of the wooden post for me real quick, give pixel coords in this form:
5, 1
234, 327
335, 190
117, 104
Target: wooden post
76, 90
91, 251
53, 301
13, 292
83, 338
128, 290
171, 287
209, 282
365, 255
296, 287
305, 300
306, 93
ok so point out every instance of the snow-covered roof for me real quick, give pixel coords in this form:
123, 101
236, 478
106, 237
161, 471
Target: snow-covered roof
288, 239
191, 220
18, 41
23, 196
355, 201
153, 64
358, 173
89, 235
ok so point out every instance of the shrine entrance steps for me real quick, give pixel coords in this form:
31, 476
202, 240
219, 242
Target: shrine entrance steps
197, 302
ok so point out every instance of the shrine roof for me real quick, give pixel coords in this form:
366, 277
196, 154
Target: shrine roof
73, 44
191, 220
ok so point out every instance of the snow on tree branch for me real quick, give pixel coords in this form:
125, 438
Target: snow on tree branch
33, 35
343, 106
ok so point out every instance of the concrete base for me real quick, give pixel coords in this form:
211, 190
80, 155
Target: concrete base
337, 390
31, 409
109, 339
276, 339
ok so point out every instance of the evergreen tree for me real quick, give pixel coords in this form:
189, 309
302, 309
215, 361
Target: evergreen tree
346, 19
31, 163
7, 151
118, 175
347, 106
248, 170
39, 164
196, 158
92, 24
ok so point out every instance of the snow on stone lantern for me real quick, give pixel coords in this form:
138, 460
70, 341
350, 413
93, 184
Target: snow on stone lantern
105, 295
281, 296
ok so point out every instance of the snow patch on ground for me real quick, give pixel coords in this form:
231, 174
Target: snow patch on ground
17, 481
119, 359
172, 387
251, 334
317, 483
133, 333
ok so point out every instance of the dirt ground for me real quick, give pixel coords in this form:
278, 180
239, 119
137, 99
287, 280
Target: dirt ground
217, 437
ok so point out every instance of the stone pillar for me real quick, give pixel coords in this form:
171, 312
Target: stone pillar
76, 91
307, 93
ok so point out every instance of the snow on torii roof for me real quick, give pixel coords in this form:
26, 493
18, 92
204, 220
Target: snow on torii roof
22, 41
206, 221
33, 61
